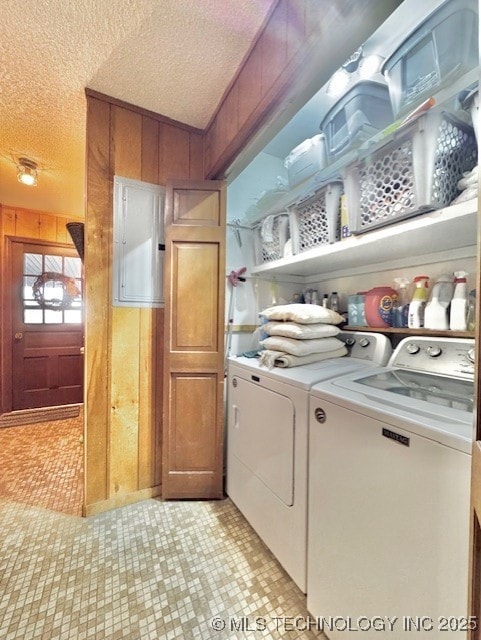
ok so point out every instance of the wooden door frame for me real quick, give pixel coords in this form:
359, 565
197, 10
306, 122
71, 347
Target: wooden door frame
6, 398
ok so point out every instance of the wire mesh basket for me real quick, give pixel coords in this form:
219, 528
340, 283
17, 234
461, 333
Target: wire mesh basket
417, 171
316, 220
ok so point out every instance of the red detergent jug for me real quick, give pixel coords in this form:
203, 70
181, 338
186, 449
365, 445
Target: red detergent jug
378, 305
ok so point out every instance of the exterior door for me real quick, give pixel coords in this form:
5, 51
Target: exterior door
194, 340
47, 326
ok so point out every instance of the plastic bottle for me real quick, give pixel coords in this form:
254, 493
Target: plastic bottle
314, 298
334, 301
459, 303
325, 300
418, 303
400, 308
436, 312
471, 319
378, 305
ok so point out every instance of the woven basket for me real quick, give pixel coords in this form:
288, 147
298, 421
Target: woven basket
76, 231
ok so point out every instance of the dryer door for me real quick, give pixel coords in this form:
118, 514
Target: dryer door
261, 435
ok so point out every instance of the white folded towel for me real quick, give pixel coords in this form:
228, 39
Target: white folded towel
300, 331
267, 228
271, 359
301, 347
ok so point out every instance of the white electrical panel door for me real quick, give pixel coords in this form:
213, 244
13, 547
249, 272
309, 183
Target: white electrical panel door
138, 243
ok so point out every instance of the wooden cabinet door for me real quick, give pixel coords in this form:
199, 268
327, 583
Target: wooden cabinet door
475, 556
194, 340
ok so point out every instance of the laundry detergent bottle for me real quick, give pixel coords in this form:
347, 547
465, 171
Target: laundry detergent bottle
459, 303
436, 313
400, 308
418, 303
378, 304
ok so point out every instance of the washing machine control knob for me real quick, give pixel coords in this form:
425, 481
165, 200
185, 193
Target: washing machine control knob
434, 352
412, 348
350, 342
471, 355
320, 415
364, 342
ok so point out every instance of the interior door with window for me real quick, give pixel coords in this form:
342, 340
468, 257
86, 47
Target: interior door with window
47, 326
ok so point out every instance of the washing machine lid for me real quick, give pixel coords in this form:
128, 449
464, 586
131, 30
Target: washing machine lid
436, 407
432, 389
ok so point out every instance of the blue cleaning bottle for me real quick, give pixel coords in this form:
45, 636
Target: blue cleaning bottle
401, 305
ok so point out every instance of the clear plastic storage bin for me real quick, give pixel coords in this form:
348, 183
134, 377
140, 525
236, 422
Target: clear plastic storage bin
445, 46
316, 220
361, 113
270, 237
306, 159
416, 171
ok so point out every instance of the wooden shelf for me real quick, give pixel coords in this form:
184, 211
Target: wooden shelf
412, 332
430, 237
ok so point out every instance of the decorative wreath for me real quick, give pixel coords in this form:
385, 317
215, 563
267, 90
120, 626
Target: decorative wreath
70, 290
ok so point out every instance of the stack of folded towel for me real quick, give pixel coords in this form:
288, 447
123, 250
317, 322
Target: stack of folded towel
468, 185
299, 334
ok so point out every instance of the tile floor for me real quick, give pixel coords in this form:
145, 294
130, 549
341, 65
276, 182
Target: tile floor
42, 464
150, 571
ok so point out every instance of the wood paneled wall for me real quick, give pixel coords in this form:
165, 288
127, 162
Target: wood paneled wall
24, 223
29, 223
124, 345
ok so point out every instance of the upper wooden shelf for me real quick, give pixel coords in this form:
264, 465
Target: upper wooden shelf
429, 237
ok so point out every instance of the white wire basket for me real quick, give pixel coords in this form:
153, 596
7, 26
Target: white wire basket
416, 171
316, 221
269, 243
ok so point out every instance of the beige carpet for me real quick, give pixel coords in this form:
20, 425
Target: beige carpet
45, 414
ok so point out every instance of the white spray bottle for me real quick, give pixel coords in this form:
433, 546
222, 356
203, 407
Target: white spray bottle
459, 303
436, 312
418, 303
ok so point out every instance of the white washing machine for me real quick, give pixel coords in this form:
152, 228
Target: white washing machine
267, 439
389, 484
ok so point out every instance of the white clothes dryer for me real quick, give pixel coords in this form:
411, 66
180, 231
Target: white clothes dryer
389, 482
267, 440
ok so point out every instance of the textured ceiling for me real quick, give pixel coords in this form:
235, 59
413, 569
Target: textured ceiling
173, 57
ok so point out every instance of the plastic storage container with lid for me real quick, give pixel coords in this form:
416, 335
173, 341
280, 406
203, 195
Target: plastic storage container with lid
363, 111
306, 159
443, 47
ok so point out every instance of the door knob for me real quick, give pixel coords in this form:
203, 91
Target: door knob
19, 335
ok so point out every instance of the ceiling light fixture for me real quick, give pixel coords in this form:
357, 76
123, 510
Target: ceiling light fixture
27, 172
